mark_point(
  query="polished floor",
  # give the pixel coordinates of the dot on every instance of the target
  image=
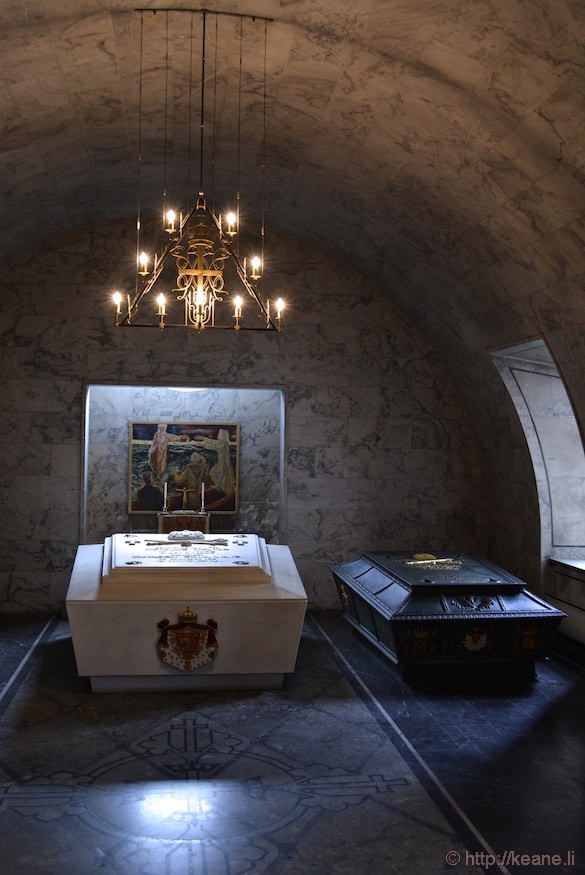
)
(346, 770)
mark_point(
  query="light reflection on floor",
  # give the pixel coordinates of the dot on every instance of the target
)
(302, 781)
(179, 803)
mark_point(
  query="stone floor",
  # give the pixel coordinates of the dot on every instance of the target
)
(347, 769)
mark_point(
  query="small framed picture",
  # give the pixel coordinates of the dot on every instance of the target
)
(190, 466)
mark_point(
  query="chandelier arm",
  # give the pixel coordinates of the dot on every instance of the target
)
(123, 324)
(240, 270)
(157, 269)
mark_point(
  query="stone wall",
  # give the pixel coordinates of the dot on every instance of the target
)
(378, 449)
(507, 280)
(111, 409)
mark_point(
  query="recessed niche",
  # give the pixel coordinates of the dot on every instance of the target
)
(109, 411)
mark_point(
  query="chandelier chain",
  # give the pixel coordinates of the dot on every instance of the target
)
(202, 111)
(190, 114)
(214, 117)
(139, 146)
(166, 122)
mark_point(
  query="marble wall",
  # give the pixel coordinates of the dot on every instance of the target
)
(111, 409)
(556, 448)
(378, 451)
(486, 293)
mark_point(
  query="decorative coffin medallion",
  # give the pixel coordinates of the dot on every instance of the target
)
(187, 645)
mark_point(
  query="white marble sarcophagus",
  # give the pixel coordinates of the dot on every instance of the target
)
(185, 611)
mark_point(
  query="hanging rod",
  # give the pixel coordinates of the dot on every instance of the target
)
(204, 12)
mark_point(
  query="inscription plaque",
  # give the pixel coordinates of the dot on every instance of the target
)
(219, 558)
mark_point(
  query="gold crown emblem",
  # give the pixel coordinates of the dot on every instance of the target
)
(187, 615)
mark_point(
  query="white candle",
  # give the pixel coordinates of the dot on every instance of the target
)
(202, 497)
(165, 495)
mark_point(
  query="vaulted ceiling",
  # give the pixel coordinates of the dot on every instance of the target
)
(437, 145)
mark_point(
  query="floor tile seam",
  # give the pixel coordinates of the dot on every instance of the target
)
(406, 693)
(412, 721)
(445, 723)
(20, 672)
(566, 660)
(442, 739)
(437, 743)
(413, 758)
(427, 712)
(411, 700)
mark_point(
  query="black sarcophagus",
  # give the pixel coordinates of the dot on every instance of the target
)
(446, 613)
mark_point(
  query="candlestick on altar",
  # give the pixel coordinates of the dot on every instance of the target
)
(165, 490)
(202, 498)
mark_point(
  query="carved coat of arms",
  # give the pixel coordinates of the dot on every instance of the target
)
(187, 645)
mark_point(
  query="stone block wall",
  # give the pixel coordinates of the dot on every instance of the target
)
(379, 452)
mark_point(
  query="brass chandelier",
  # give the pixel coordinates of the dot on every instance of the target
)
(198, 279)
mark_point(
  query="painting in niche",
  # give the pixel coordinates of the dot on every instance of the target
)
(192, 462)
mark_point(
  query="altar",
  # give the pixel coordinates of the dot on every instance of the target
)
(185, 611)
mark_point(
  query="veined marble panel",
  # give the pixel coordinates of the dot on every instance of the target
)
(377, 449)
(112, 409)
(306, 433)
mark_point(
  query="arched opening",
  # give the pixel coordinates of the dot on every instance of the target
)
(556, 448)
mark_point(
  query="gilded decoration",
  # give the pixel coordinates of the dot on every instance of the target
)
(187, 645)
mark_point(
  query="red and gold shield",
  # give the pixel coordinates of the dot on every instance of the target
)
(187, 645)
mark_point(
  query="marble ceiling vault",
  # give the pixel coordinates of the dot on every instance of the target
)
(436, 145)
